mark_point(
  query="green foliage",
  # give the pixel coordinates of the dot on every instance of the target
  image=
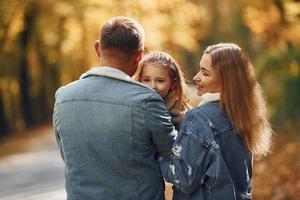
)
(279, 73)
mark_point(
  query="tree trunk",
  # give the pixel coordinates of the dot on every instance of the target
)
(29, 25)
(4, 128)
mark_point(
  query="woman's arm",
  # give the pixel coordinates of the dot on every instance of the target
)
(192, 155)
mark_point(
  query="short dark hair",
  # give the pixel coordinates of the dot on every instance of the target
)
(122, 34)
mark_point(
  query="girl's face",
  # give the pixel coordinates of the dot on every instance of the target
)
(158, 78)
(206, 78)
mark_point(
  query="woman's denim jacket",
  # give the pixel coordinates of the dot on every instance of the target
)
(209, 159)
(110, 130)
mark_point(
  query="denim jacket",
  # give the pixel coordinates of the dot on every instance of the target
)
(109, 130)
(209, 160)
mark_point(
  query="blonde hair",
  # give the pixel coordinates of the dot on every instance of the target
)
(241, 95)
(177, 97)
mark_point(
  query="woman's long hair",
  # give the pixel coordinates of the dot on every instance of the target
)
(241, 95)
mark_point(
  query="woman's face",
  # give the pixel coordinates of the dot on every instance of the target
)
(206, 79)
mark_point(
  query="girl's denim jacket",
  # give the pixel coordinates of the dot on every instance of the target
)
(209, 159)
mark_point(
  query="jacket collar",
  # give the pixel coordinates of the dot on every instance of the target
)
(106, 71)
(111, 73)
(209, 97)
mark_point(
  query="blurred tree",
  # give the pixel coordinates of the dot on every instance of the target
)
(9, 12)
(45, 44)
(30, 17)
(277, 55)
(4, 129)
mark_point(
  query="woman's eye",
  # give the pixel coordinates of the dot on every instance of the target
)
(145, 80)
(161, 81)
(204, 73)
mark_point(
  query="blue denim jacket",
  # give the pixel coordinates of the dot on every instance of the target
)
(109, 130)
(209, 159)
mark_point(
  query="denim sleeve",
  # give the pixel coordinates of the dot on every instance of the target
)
(57, 130)
(158, 121)
(191, 156)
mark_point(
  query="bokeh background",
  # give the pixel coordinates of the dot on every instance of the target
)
(49, 43)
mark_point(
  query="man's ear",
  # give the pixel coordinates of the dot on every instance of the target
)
(98, 48)
(139, 56)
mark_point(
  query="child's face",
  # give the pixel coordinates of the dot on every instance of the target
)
(206, 79)
(158, 78)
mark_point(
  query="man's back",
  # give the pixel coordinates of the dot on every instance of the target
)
(110, 131)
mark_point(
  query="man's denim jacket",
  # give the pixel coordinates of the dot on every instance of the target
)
(110, 130)
(209, 159)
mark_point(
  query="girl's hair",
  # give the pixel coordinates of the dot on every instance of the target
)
(241, 95)
(177, 97)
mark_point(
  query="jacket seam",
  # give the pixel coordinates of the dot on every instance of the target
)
(132, 153)
(203, 142)
(145, 108)
(108, 101)
(220, 131)
(217, 170)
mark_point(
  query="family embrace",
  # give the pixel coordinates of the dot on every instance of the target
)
(126, 127)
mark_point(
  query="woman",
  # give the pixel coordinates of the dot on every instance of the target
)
(212, 155)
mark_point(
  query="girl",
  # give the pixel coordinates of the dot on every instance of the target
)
(160, 71)
(212, 155)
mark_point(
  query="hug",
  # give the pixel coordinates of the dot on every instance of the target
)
(126, 126)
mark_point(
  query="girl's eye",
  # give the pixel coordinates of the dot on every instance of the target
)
(161, 81)
(145, 80)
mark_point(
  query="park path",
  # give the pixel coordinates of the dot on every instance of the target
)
(33, 174)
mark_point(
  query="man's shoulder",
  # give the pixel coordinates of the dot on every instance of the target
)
(66, 87)
(143, 92)
(138, 85)
(98, 87)
(130, 87)
(113, 75)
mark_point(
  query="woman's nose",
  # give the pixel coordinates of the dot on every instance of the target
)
(197, 77)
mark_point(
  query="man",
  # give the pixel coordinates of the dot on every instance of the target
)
(109, 128)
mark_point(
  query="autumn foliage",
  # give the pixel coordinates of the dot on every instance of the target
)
(49, 43)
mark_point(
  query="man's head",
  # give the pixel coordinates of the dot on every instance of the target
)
(121, 44)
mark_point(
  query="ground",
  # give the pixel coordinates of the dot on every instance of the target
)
(276, 177)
